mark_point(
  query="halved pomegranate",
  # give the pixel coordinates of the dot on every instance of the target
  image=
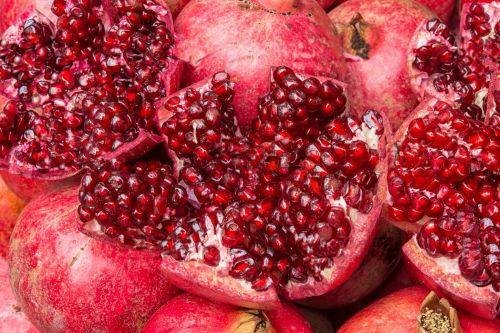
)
(444, 185)
(82, 86)
(290, 209)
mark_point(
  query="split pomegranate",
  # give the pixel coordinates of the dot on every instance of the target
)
(444, 185)
(191, 313)
(83, 86)
(13, 319)
(246, 38)
(10, 208)
(415, 310)
(291, 208)
(460, 75)
(375, 37)
(68, 282)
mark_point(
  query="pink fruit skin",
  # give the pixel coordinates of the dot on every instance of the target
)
(11, 9)
(443, 8)
(380, 79)
(245, 39)
(67, 282)
(187, 313)
(401, 310)
(10, 208)
(12, 319)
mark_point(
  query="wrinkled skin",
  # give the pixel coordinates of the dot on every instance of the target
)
(10, 208)
(247, 38)
(379, 76)
(67, 282)
(401, 310)
(189, 314)
(12, 318)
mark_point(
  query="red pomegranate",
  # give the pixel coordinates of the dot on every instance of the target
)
(246, 38)
(291, 208)
(444, 185)
(443, 182)
(415, 310)
(10, 208)
(375, 37)
(13, 319)
(67, 282)
(189, 313)
(443, 8)
(81, 84)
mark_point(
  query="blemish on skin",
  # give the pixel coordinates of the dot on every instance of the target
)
(75, 258)
(249, 5)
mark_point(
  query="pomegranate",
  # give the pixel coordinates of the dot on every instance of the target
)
(415, 310)
(81, 86)
(459, 74)
(246, 38)
(382, 258)
(189, 313)
(67, 282)
(10, 208)
(443, 8)
(375, 37)
(291, 208)
(443, 184)
(13, 319)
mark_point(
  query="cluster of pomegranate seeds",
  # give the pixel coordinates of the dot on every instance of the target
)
(447, 174)
(275, 206)
(137, 204)
(85, 87)
(201, 120)
(462, 74)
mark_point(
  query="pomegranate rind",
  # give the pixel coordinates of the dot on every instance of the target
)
(443, 276)
(215, 284)
(363, 230)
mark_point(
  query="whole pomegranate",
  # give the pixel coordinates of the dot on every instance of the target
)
(189, 313)
(375, 38)
(13, 319)
(81, 84)
(246, 38)
(289, 209)
(443, 182)
(443, 8)
(67, 282)
(10, 208)
(415, 310)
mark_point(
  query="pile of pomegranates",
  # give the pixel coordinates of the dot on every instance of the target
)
(250, 166)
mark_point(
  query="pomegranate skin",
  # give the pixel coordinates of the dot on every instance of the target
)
(10, 208)
(327, 4)
(67, 282)
(189, 314)
(246, 39)
(175, 5)
(401, 310)
(377, 63)
(11, 10)
(13, 319)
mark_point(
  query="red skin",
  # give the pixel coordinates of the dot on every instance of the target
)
(443, 8)
(175, 5)
(381, 81)
(246, 41)
(327, 4)
(401, 310)
(68, 282)
(11, 9)
(13, 320)
(188, 313)
(10, 208)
